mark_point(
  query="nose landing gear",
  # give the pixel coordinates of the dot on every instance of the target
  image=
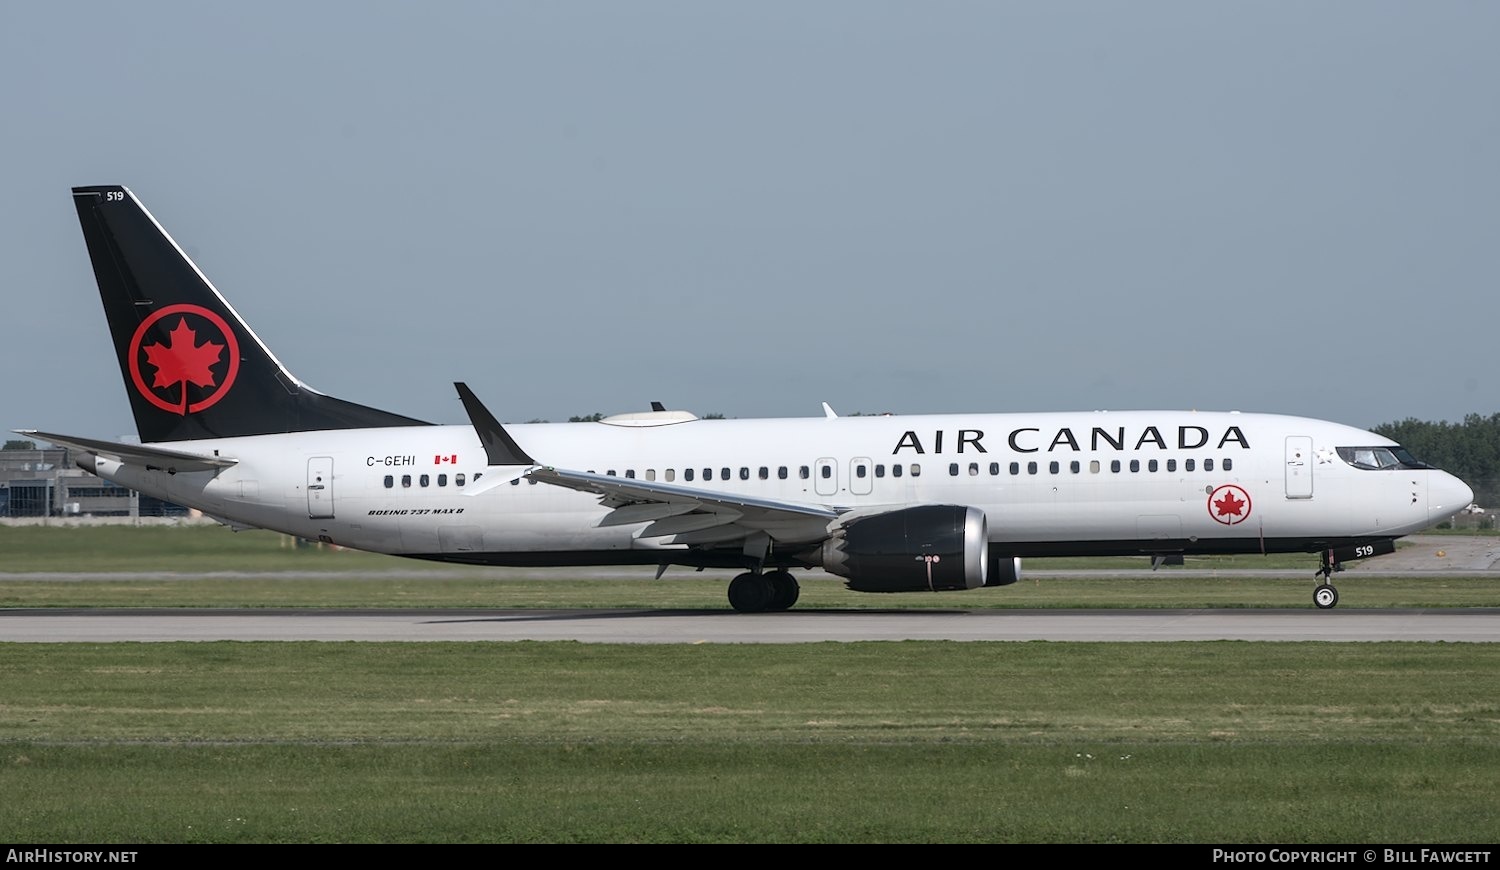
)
(1324, 595)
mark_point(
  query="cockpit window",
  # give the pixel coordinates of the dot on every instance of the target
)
(1379, 458)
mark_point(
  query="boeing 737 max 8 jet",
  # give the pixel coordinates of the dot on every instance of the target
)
(890, 504)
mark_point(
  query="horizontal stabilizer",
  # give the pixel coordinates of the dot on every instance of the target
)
(137, 454)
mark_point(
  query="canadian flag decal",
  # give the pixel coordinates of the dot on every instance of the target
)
(439, 460)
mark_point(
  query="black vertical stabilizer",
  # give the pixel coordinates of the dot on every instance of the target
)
(192, 368)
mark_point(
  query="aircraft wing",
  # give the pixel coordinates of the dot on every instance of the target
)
(137, 454)
(685, 514)
(691, 515)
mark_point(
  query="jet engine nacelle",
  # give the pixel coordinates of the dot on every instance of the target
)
(1004, 570)
(919, 549)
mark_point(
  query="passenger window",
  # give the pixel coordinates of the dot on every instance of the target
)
(1171, 465)
(826, 472)
(390, 481)
(1093, 466)
(803, 473)
(781, 472)
(724, 474)
(442, 480)
(1054, 467)
(953, 469)
(1114, 465)
(973, 469)
(744, 473)
(1208, 465)
(515, 482)
(708, 474)
(994, 468)
(916, 470)
(765, 473)
(687, 474)
(630, 473)
(458, 480)
(611, 473)
(650, 474)
(860, 471)
(1015, 468)
(1074, 466)
(1151, 466)
(880, 471)
(424, 480)
(1228, 464)
(1187, 465)
(1031, 468)
(896, 470)
(671, 474)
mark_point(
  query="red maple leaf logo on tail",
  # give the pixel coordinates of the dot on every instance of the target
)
(181, 361)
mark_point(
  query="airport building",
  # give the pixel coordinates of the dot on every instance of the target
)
(44, 482)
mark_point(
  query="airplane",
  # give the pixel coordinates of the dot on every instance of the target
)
(887, 503)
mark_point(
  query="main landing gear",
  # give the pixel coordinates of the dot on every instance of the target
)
(752, 592)
(1324, 595)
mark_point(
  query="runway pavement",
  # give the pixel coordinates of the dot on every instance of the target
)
(1420, 554)
(699, 626)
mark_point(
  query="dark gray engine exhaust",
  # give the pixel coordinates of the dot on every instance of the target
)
(928, 548)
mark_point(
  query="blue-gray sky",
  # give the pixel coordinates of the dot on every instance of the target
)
(751, 208)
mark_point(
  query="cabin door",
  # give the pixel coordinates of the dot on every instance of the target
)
(1299, 466)
(320, 487)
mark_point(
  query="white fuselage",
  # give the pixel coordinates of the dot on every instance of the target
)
(1048, 483)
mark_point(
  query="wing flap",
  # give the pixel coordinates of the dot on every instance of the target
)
(716, 535)
(686, 524)
(644, 512)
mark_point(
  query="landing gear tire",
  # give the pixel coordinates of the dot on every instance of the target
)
(784, 590)
(751, 593)
(1325, 596)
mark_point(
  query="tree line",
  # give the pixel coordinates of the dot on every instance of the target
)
(1469, 450)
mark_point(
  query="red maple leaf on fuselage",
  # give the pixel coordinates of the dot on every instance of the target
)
(182, 361)
(1229, 505)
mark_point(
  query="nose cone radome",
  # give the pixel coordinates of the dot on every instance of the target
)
(1447, 496)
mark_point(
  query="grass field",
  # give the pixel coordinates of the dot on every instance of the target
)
(866, 742)
(909, 742)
